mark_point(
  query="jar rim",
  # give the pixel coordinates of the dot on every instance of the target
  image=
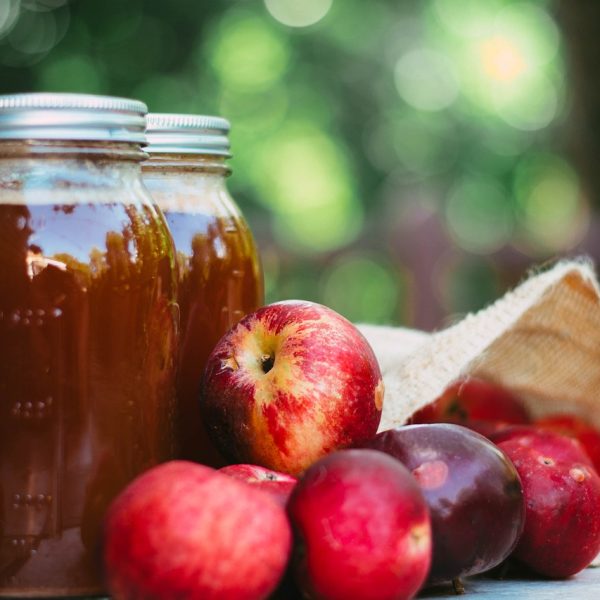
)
(179, 133)
(76, 117)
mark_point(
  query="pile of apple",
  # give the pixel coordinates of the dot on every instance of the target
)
(321, 505)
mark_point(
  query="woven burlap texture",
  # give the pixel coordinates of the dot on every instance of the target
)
(541, 340)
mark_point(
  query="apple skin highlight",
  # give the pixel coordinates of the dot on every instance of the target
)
(289, 384)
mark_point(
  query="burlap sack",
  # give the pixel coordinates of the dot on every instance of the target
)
(542, 340)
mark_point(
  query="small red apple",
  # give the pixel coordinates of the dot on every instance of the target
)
(184, 530)
(362, 528)
(486, 428)
(289, 384)
(562, 519)
(473, 399)
(575, 427)
(556, 446)
(279, 485)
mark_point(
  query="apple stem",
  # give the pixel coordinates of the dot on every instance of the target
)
(458, 586)
(266, 362)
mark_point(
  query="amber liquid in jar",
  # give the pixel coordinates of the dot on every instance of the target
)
(87, 347)
(220, 278)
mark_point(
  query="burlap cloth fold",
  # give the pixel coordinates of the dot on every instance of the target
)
(541, 340)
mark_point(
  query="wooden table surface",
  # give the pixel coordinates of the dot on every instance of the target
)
(584, 586)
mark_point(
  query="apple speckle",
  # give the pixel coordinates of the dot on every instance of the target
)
(578, 474)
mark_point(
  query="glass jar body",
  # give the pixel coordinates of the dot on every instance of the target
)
(88, 340)
(220, 276)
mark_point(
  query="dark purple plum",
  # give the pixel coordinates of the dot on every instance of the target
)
(473, 491)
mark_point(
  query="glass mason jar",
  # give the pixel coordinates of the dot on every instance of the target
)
(88, 333)
(220, 277)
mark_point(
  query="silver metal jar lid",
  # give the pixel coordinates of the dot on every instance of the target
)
(77, 117)
(187, 134)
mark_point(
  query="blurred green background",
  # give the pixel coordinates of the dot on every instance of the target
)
(402, 162)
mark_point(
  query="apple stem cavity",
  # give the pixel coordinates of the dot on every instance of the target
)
(266, 362)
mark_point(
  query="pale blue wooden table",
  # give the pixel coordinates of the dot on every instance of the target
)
(584, 586)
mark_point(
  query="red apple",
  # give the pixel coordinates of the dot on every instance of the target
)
(183, 530)
(289, 384)
(486, 428)
(279, 485)
(556, 446)
(473, 399)
(362, 527)
(562, 519)
(575, 427)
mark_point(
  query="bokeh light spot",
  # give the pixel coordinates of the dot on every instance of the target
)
(531, 31)
(306, 231)
(426, 79)
(362, 288)
(34, 32)
(43, 5)
(303, 176)
(552, 210)
(247, 53)
(468, 18)
(529, 107)
(9, 12)
(296, 13)
(501, 59)
(254, 113)
(511, 68)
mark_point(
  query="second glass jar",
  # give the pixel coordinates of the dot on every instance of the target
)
(220, 277)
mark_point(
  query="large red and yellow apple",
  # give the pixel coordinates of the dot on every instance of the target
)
(289, 384)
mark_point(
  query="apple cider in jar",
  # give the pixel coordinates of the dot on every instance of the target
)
(87, 333)
(220, 278)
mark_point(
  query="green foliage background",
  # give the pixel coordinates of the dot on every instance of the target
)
(402, 162)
